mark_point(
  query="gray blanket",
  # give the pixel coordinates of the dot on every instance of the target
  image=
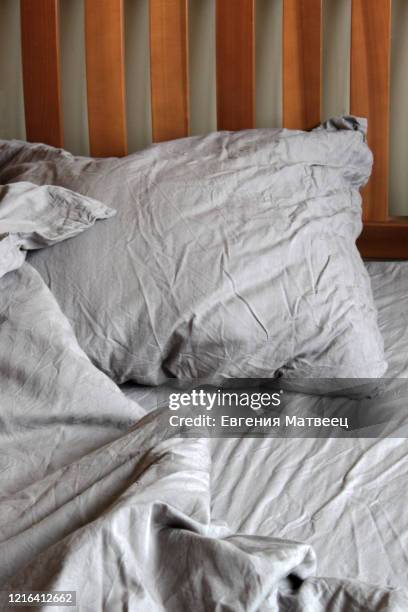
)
(100, 498)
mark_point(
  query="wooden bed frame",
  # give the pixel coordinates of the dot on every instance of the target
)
(383, 237)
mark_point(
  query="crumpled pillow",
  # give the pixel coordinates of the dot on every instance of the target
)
(232, 255)
(33, 217)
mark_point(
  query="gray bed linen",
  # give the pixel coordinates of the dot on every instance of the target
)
(345, 497)
(232, 256)
(11, 255)
(33, 217)
(389, 282)
(44, 215)
(97, 498)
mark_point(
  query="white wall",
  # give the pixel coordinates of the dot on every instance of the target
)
(202, 71)
(11, 86)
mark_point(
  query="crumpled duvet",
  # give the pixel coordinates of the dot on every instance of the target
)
(100, 498)
(33, 217)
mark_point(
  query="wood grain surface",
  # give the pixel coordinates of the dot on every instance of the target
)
(40, 40)
(105, 72)
(169, 69)
(302, 63)
(370, 93)
(235, 41)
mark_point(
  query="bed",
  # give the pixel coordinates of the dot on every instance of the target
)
(102, 503)
(352, 484)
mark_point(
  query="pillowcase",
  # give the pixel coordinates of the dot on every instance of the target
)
(232, 256)
(32, 217)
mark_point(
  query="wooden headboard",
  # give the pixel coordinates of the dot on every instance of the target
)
(384, 237)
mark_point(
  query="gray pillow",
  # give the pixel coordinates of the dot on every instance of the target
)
(32, 217)
(232, 256)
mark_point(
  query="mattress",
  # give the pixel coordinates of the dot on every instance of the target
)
(344, 496)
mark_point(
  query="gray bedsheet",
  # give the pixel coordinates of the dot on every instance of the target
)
(345, 497)
(97, 498)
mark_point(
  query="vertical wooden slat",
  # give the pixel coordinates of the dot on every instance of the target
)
(105, 69)
(169, 69)
(40, 41)
(370, 93)
(235, 64)
(302, 63)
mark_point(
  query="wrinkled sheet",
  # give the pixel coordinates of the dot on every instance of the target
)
(232, 255)
(346, 497)
(33, 217)
(99, 498)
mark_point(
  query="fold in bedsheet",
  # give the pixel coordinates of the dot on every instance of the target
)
(344, 497)
(97, 498)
